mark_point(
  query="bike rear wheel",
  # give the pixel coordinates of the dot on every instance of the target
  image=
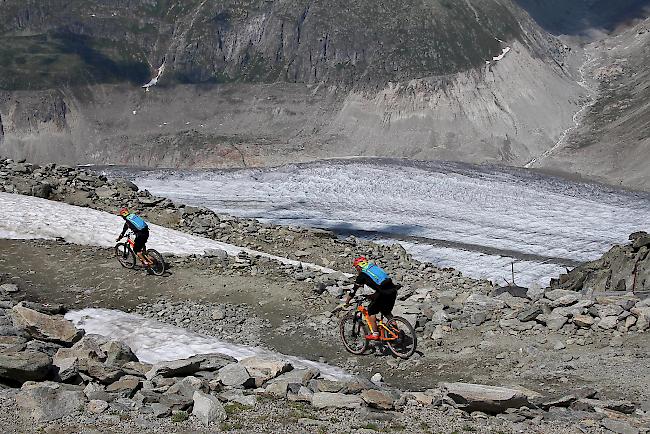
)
(404, 346)
(125, 255)
(158, 266)
(353, 331)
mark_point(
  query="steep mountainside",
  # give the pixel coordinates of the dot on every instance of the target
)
(612, 142)
(341, 42)
(256, 82)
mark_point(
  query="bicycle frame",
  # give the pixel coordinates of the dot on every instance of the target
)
(385, 333)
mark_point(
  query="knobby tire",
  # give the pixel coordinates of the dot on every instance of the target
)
(353, 331)
(158, 267)
(406, 344)
(125, 255)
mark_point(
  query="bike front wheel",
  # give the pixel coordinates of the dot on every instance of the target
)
(158, 266)
(125, 255)
(405, 344)
(353, 332)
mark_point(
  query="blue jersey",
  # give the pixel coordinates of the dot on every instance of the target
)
(137, 223)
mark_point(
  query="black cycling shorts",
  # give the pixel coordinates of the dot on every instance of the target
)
(384, 303)
(141, 238)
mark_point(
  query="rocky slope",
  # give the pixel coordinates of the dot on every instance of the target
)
(611, 142)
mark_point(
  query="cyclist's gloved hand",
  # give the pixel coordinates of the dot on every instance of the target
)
(118, 239)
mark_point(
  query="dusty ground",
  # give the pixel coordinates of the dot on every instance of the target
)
(90, 277)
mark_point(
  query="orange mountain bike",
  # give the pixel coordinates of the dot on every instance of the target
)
(396, 332)
(126, 256)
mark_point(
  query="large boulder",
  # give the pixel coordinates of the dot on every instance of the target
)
(45, 327)
(488, 399)
(25, 366)
(49, 401)
(207, 409)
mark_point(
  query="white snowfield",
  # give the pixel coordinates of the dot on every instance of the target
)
(27, 217)
(505, 209)
(153, 341)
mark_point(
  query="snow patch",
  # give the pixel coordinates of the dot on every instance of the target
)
(154, 81)
(153, 341)
(502, 55)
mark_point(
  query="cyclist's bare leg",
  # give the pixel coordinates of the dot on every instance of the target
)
(145, 260)
(372, 321)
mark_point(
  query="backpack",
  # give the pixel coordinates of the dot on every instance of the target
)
(137, 221)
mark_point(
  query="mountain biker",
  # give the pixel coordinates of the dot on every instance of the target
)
(141, 231)
(383, 300)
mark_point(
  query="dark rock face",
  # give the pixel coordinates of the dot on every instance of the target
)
(253, 41)
(25, 366)
(623, 268)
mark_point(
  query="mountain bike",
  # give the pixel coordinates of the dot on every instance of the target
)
(127, 257)
(396, 332)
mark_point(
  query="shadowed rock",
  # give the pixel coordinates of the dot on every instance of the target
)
(488, 399)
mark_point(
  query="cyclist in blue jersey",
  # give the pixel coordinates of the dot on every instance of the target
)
(141, 231)
(383, 300)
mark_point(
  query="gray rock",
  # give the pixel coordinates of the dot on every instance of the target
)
(515, 324)
(585, 321)
(179, 368)
(322, 400)
(480, 301)
(42, 190)
(530, 313)
(535, 293)
(303, 394)
(125, 387)
(566, 300)
(125, 184)
(118, 353)
(563, 401)
(235, 375)
(105, 374)
(556, 294)
(49, 401)
(555, 322)
(207, 409)
(378, 399)
(264, 369)
(587, 404)
(608, 323)
(49, 348)
(45, 327)
(95, 391)
(619, 427)
(8, 288)
(236, 395)
(187, 386)
(25, 366)
(66, 368)
(488, 399)
(97, 406)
